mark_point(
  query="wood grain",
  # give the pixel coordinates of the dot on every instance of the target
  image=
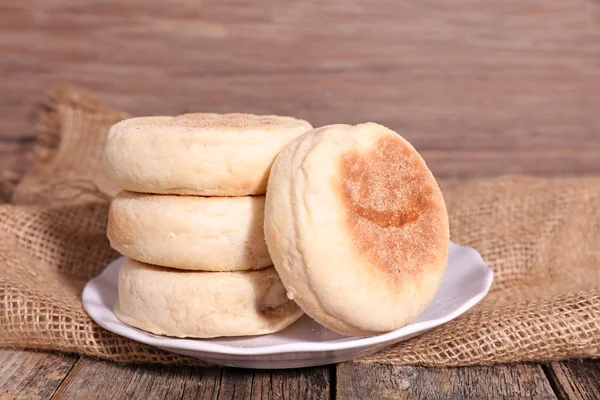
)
(482, 163)
(475, 76)
(105, 380)
(575, 379)
(30, 375)
(356, 381)
(306, 383)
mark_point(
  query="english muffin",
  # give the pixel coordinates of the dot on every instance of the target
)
(190, 232)
(197, 154)
(357, 228)
(202, 304)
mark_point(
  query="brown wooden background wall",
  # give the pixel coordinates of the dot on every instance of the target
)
(479, 87)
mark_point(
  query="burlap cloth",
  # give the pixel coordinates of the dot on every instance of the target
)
(540, 236)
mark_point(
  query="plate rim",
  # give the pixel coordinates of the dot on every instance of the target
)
(193, 344)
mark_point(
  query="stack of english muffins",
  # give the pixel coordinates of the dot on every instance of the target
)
(353, 229)
(190, 222)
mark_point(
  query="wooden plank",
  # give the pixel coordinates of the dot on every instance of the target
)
(306, 383)
(575, 379)
(471, 164)
(475, 75)
(105, 380)
(30, 375)
(361, 381)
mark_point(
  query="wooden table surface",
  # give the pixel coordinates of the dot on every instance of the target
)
(480, 87)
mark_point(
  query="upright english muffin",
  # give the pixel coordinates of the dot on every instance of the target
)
(357, 228)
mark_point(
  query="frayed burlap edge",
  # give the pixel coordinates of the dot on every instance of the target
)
(66, 155)
(49, 124)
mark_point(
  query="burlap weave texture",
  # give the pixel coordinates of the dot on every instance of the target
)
(540, 236)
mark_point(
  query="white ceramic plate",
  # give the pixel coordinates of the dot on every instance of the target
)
(305, 343)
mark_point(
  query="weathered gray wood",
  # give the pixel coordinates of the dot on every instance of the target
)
(575, 379)
(360, 381)
(105, 380)
(202, 383)
(90, 379)
(30, 375)
(305, 383)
